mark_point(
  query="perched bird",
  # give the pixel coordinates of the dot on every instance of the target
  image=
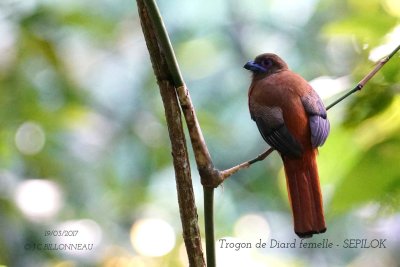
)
(292, 119)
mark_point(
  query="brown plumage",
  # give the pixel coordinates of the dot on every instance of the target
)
(292, 119)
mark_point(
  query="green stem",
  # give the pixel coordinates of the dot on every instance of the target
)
(165, 43)
(355, 89)
(393, 52)
(209, 225)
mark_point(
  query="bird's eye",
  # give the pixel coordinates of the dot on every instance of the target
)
(266, 62)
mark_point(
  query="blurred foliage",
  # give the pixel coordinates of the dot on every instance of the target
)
(81, 111)
(374, 175)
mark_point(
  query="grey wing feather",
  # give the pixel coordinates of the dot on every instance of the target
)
(271, 125)
(319, 124)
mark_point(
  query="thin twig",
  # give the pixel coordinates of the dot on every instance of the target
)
(366, 78)
(226, 173)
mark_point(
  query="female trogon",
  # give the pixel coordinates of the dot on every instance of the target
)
(292, 119)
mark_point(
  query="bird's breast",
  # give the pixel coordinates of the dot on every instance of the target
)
(283, 90)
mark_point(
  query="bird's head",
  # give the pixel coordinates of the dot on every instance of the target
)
(266, 64)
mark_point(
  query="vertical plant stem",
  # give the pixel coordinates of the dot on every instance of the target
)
(209, 225)
(186, 201)
(210, 177)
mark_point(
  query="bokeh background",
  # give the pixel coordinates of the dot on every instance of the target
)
(84, 145)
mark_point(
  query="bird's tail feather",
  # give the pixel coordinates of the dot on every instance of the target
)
(305, 194)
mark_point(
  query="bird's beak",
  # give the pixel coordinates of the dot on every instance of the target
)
(254, 67)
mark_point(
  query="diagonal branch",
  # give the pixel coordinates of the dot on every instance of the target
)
(366, 78)
(210, 177)
(229, 172)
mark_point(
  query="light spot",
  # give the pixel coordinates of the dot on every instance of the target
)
(30, 138)
(38, 199)
(152, 237)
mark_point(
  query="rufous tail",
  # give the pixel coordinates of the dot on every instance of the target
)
(305, 194)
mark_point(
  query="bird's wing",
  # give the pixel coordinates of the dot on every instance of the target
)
(272, 127)
(319, 124)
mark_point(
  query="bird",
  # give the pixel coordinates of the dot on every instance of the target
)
(292, 119)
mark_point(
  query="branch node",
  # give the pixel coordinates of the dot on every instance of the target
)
(210, 177)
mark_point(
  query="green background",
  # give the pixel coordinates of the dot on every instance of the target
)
(83, 133)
